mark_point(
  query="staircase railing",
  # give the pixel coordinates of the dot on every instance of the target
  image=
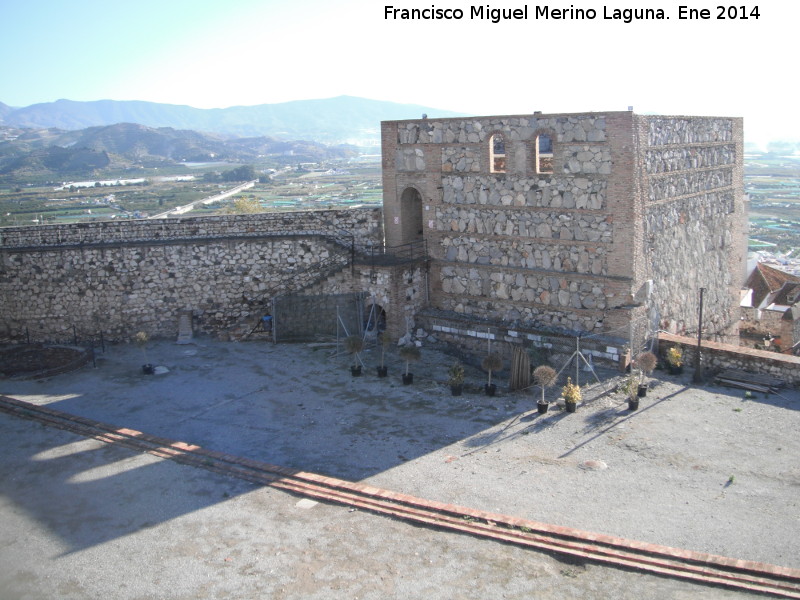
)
(344, 251)
(388, 255)
(380, 254)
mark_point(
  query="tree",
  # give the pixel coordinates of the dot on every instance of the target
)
(545, 376)
(243, 173)
(243, 205)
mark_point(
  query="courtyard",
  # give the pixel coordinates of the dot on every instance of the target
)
(701, 468)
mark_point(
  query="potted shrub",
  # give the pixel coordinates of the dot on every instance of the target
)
(140, 339)
(645, 362)
(354, 345)
(571, 394)
(383, 342)
(456, 378)
(674, 360)
(491, 362)
(544, 377)
(409, 353)
(631, 390)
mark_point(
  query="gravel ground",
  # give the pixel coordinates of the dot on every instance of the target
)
(700, 468)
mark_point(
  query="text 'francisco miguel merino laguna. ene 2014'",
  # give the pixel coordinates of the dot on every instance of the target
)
(573, 13)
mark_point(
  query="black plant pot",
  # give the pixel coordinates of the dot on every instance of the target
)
(542, 407)
(642, 390)
(408, 378)
(456, 389)
(570, 406)
(633, 404)
(382, 371)
(673, 370)
(355, 371)
(490, 389)
(148, 369)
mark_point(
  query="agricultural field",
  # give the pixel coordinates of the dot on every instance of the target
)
(332, 188)
(772, 184)
(151, 192)
(128, 199)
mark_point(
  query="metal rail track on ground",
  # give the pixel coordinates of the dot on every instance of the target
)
(660, 560)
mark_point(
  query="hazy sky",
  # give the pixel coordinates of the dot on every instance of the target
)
(208, 53)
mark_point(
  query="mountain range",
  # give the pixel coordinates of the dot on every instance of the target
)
(344, 119)
(76, 138)
(58, 152)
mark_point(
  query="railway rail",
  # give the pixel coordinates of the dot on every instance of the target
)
(581, 545)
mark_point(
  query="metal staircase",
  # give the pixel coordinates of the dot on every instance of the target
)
(344, 252)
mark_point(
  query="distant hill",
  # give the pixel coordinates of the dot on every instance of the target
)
(55, 160)
(5, 110)
(344, 119)
(58, 152)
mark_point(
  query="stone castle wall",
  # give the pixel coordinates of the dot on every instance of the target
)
(127, 276)
(694, 222)
(364, 224)
(718, 357)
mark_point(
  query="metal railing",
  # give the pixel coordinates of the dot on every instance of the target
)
(380, 254)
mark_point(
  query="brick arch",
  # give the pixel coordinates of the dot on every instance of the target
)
(375, 316)
(543, 162)
(411, 216)
(498, 161)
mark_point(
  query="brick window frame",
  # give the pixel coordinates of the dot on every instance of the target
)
(498, 156)
(543, 152)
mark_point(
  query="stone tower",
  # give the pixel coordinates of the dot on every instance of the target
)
(596, 224)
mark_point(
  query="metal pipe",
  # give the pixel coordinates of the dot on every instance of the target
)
(698, 367)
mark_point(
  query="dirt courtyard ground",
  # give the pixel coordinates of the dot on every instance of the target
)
(701, 468)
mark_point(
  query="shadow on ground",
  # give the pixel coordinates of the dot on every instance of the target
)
(294, 406)
(59, 478)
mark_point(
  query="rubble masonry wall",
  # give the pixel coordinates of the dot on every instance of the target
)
(123, 277)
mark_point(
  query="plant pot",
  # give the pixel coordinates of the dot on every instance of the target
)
(642, 390)
(382, 371)
(408, 378)
(490, 389)
(570, 406)
(355, 371)
(673, 370)
(456, 389)
(633, 404)
(542, 407)
(148, 369)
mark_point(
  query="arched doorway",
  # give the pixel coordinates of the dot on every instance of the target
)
(374, 318)
(411, 222)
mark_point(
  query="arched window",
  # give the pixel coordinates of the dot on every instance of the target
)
(497, 153)
(544, 153)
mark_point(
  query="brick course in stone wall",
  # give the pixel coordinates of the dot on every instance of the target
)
(544, 192)
(513, 251)
(688, 130)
